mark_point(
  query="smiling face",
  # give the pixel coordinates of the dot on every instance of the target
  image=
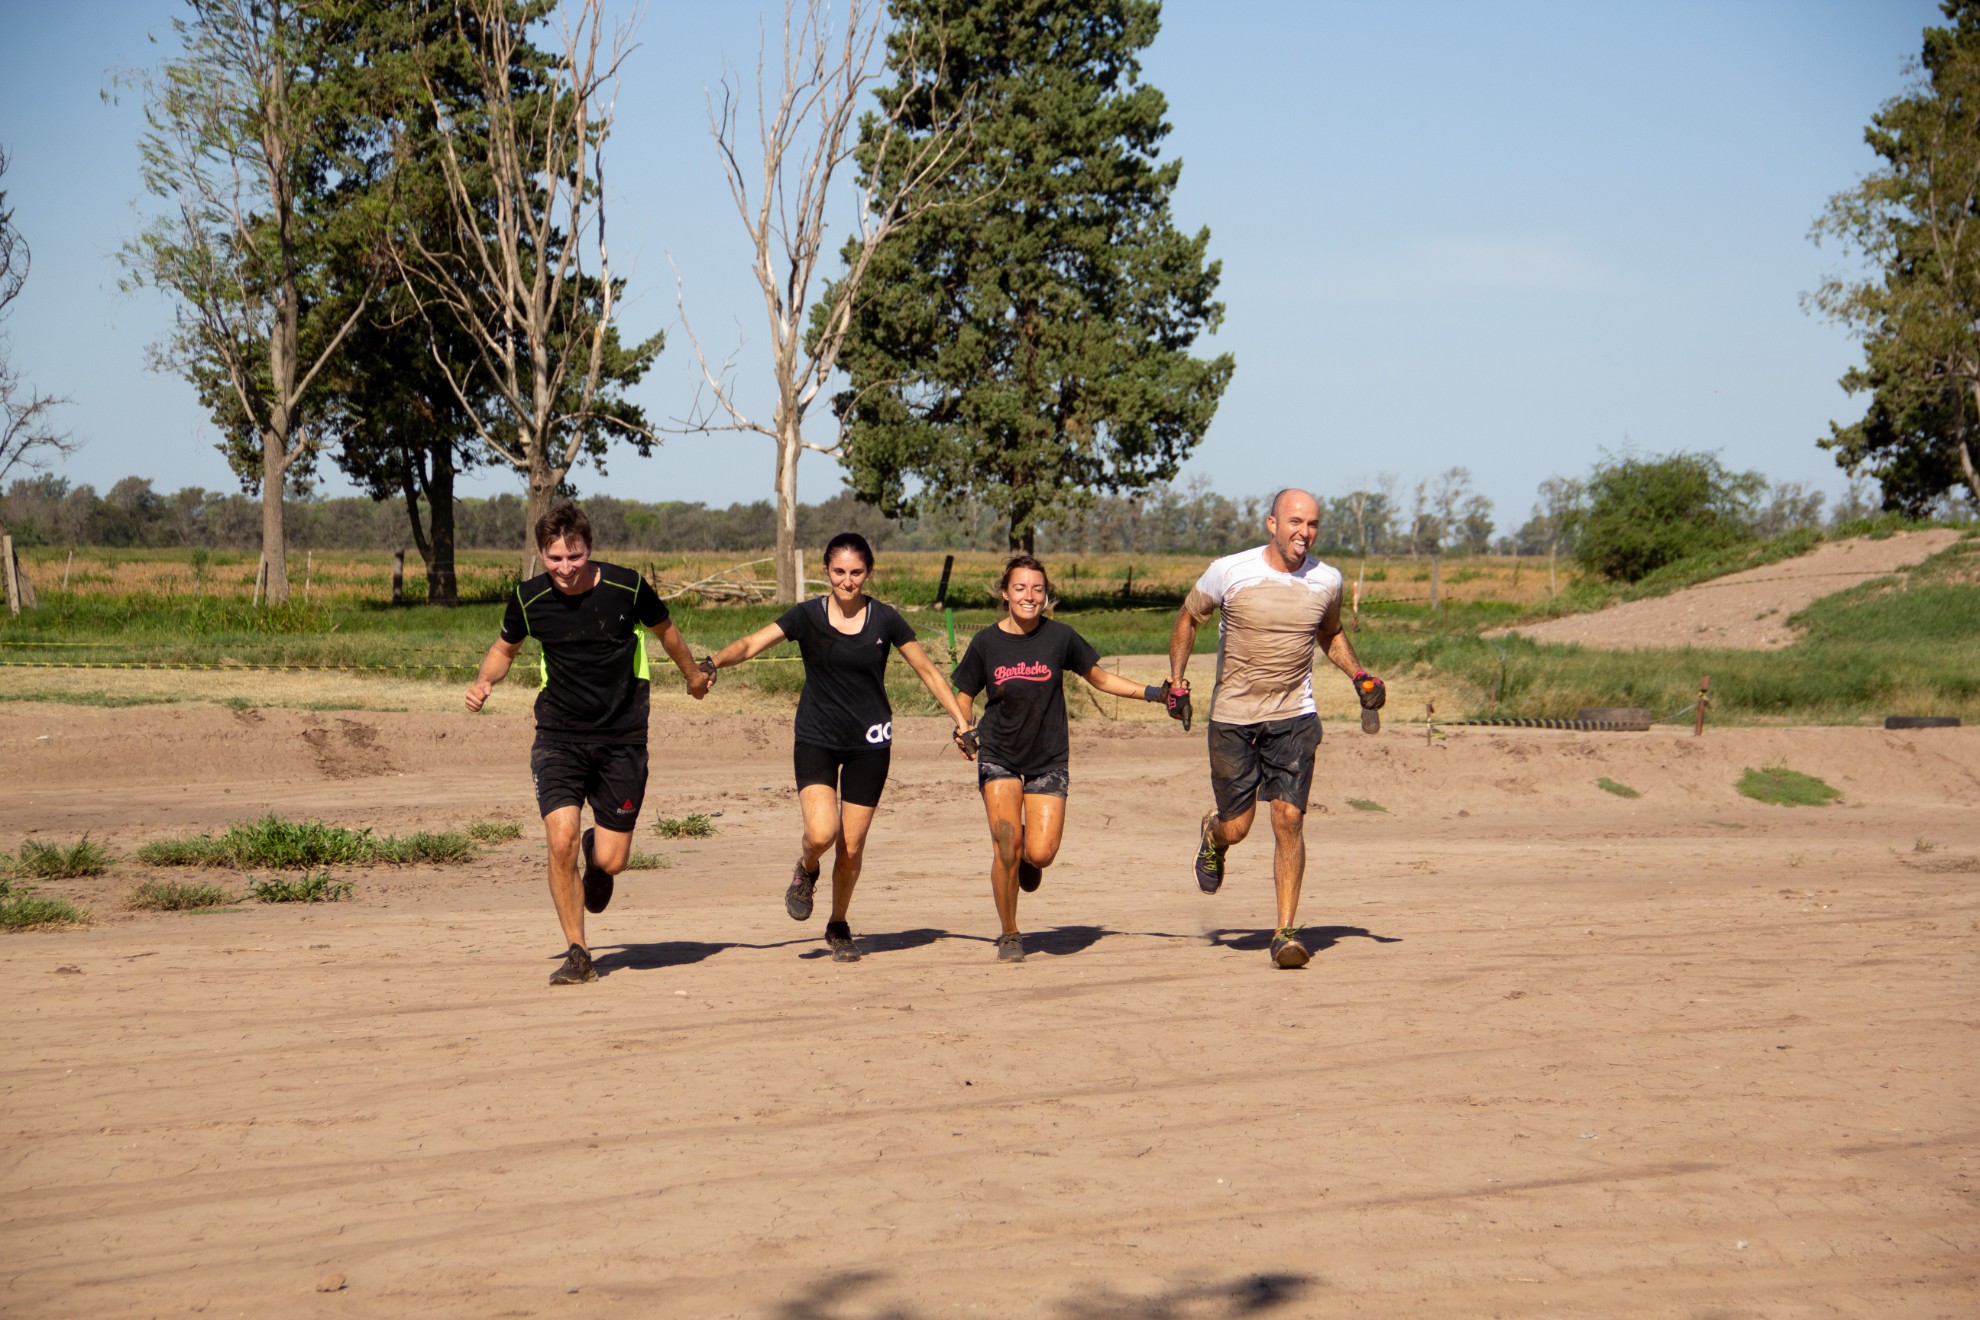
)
(1294, 520)
(1024, 595)
(847, 573)
(567, 561)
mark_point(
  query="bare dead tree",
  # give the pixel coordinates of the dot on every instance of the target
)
(234, 144)
(525, 195)
(28, 439)
(782, 189)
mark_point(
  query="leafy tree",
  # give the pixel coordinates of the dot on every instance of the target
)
(1644, 513)
(520, 264)
(1916, 222)
(1026, 343)
(243, 148)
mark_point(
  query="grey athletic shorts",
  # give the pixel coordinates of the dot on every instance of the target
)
(1273, 761)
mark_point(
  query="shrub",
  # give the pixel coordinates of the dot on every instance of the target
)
(1783, 787)
(1364, 804)
(169, 896)
(32, 910)
(646, 861)
(687, 827)
(1608, 785)
(297, 845)
(494, 831)
(1644, 513)
(318, 888)
(53, 861)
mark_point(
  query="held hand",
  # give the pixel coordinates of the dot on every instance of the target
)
(967, 742)
(698, 684)
(477, 694)
(1369, 688)
(1175, 699)
(707, 666)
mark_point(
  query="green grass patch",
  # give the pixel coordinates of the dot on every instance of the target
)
(26, 911)
(279, 844)
(1364, 804)
(697, 826)
(1783, 787)
(171, 896)
(646, 861)
(494, 831)
(56, 861)
(317, 888)
(1608, 785)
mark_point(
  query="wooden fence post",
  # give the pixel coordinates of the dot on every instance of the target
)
(1698, 725)
(11, 574)
(399, 576)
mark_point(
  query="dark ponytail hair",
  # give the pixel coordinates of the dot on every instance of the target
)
(852, 541)
(1013, 564)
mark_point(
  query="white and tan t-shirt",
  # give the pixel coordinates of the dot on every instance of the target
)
(1265, 639)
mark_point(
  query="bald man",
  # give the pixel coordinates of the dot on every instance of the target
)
(1278, 603)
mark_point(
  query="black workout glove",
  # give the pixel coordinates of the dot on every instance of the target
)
(967, 742)
(1369, 688)
(1176, 701)
(707, 666)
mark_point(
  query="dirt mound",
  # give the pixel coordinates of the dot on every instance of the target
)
(1742, 611)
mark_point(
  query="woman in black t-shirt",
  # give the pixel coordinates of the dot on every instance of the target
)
(845, 726)
(1021, 743)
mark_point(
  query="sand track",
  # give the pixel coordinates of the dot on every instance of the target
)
(1558, 1051)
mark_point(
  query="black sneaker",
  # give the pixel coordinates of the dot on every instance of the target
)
(839, 936)
(1029, 877)
(1209, 858)
(1288, 950)
(597, 883)
(1010, 947)
(797, 898)
(577, 968)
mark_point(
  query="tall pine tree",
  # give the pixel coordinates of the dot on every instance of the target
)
(1027, 342)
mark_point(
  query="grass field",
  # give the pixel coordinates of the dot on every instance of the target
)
(1901, 644)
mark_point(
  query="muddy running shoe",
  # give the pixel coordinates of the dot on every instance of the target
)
(839, 936)
(797, 898)
(1209, 858)
(1288, 950)
(577, 968)
(1029, 877)
(1010, 947)
(597, 883)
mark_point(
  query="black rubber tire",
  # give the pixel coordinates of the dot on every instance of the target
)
(1921, 721)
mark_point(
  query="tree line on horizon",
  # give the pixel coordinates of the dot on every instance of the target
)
(1700, 499)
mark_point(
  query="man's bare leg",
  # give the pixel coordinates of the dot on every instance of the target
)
(560, 829)
(1288, 859)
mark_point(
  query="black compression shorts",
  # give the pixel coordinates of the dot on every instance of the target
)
(612, 779)
(858, 776)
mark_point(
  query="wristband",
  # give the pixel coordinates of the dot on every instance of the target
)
(1153, 692)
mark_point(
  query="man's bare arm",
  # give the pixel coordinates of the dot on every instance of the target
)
(494, 668)
(1341, 651)
(677, 651)
(1182, 643)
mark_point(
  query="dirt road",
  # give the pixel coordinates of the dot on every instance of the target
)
(1559, 1052)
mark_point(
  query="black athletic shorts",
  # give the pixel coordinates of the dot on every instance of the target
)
(611, 779)
(1273, 761)
(1052, 781)
(857, 776)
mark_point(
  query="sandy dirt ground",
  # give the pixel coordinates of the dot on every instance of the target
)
(1559, 1052)
(1749, 610)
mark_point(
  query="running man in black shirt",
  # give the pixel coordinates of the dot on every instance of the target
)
(1021, 745)
(845, 726)
(590, 715)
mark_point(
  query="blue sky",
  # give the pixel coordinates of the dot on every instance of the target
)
(1501, 236)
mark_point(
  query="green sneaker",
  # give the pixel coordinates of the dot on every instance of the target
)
(1288, 950)
(1209, 858)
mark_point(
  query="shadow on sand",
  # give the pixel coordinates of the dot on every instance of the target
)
(835, 1297)
(1317, 938)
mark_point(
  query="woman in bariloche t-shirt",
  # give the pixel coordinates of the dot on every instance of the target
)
(845, 728)
(1021, 740)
